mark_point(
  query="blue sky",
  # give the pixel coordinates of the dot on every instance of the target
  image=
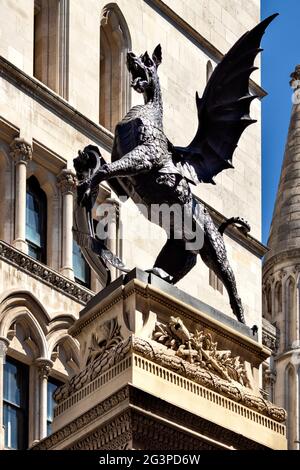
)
(281, 45)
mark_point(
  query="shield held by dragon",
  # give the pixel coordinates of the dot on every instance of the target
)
(148, 168)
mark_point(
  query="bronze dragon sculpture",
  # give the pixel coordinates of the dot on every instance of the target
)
(148, 168)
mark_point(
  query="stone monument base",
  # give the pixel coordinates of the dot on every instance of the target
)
(161, 370)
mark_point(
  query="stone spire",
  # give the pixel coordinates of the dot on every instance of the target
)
(285, 228)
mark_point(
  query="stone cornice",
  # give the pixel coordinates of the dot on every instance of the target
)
(196, 37)
(293, 254)
(44, 274)
(55, 103)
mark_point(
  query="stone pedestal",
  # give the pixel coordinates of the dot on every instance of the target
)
(163, 371)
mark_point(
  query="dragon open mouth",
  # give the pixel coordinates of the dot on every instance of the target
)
(139, 74)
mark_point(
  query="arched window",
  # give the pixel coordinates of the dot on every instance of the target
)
(115, 42)
(278, 298)
(50, 64)
(15, 404)
(36, 220)
(209, 70)
(82, 271)
(52, 385)
(269, 301)
(290, 313)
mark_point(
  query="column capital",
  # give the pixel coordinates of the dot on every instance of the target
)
(4, 343)
(66, 181)
(21, 151)
(270, 376)
(44, 367)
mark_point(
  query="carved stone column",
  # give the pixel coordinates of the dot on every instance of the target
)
(21, 152)
(4, 343)
(67, 183)
(44, 367)
(270, 379)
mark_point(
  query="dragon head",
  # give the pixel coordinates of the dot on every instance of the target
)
(143, 70)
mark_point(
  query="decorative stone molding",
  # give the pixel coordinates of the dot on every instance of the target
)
(44, 367)
(165, 357)
(106, 337)
(89, 417)
(159, 425)
(43, 273)
(270, 335)
(104, 362)
(66, 181)
(198, 348)
(112, 436)
(270, 377)
(21, 151)
(181, 416)
(271, 261)
(234, 390)
(4, 344)
(295, 78)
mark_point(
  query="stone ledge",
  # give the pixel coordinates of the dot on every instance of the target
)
(43, 273)
(48, 98)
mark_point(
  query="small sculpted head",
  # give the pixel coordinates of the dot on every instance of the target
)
(143, 70)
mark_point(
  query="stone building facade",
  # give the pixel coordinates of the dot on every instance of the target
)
(281, 279)
(63, 85)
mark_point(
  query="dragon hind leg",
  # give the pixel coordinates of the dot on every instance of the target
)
(214, 255)
(175, 260)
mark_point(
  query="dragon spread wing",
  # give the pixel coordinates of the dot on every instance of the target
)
(223, 111)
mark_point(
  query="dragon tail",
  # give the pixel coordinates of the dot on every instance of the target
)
(239, 221)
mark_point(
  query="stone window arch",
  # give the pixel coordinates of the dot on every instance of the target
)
(51, 41)
(115, 42)
(40, 346)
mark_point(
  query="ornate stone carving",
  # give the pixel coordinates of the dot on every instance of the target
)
(84, 419)
(166, 357)
(45, 274)
(4, 343)
(66, 181)
(44, 367)
(295, 78)
(270, 377)
(21, 151)
(111, 436)
(199, 348)
(106, 337)
(107, 359)
(270, 336)
(234, 390)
